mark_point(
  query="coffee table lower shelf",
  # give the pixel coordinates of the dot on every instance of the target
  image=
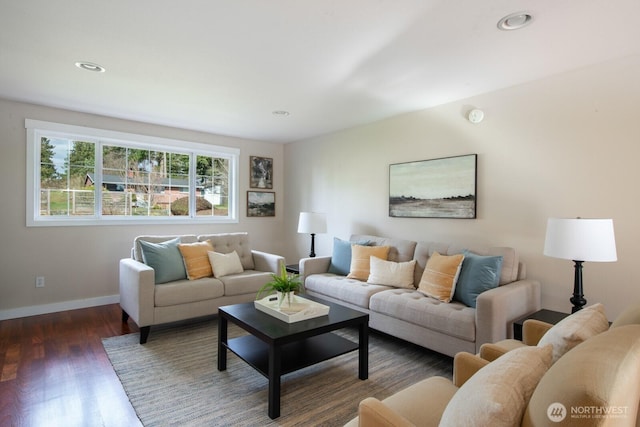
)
(275, 348)
(295, 355)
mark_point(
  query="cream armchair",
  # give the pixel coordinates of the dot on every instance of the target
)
(421, 404)
(574, 329)
(593, 384)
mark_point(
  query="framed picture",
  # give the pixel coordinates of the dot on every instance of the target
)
(438, 188)
(261, 172)
(261, 203)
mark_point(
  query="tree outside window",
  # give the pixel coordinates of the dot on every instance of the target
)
(107, 179)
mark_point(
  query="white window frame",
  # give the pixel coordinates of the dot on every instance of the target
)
(37, 129)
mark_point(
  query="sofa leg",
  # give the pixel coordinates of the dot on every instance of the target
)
(125, 316)
(144, 334)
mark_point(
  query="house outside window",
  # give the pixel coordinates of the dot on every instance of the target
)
(83, 176)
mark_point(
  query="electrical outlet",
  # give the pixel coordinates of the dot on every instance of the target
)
(40, 282)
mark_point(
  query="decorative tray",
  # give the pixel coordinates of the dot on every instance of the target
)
(299, 309)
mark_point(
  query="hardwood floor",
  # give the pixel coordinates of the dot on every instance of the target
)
(55, 372)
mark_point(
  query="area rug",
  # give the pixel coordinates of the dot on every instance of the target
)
(173, 379)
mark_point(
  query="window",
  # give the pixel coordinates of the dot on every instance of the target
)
(81, 176)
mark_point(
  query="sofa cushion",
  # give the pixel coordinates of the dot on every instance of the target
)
(424, 250)
(478, 274)
(196, 260)
(498, 394)
(225, 243)
(454, 319)
(389, 273)
(361, 260)
(574, 329)
(187, 291)
(341, 256)
(225, 264)
(598, 378)
(339, 287)
(440, 276)
(136, 251)
(510, 263)
(399, 250)
(245, 282)
(165, 259)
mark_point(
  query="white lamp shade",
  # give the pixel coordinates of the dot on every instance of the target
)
(312, 223)
(580, 239)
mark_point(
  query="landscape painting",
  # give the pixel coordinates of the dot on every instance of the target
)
(261, 203)
(261, 172)
(437, 188)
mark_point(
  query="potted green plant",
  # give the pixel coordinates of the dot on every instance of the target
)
(284, 284)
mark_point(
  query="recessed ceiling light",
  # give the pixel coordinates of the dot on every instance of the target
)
(280, 113)
(90, 66)
(515, 21)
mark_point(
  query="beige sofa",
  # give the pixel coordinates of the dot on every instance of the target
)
(594, 383)
(148, 303)
(408, 314)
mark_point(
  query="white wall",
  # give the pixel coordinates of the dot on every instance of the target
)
(80, 264)
(565, 146)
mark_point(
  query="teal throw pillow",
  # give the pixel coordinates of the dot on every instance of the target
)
(341, 256)
(478, 274)
(165, 258)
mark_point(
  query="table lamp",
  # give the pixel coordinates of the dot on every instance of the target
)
(312, 223)
(579, 240)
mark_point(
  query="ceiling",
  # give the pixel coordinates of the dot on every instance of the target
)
(223, 66)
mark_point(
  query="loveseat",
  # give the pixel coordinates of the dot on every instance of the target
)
(593, 382)
(169, 294)
(407, 313)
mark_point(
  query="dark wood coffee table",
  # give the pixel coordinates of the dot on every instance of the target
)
(275, 348)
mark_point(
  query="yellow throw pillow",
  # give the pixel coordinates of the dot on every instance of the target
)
(360, 260)
(196, 259)
(440, 276)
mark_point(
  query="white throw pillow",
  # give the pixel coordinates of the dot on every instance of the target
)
(225, 264)
(389, 273)
(572, 330)
(498, 394)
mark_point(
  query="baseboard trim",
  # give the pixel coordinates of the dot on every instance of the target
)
(36, 310)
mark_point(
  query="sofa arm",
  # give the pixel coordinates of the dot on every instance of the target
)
(533, 330)
(137, 290)
(374, 413)
(264, 261)
(318, 265)
(496, 309)
(491, 351)
(465, 365)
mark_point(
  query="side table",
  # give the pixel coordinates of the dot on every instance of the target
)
(293, 268)
(548, 316)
